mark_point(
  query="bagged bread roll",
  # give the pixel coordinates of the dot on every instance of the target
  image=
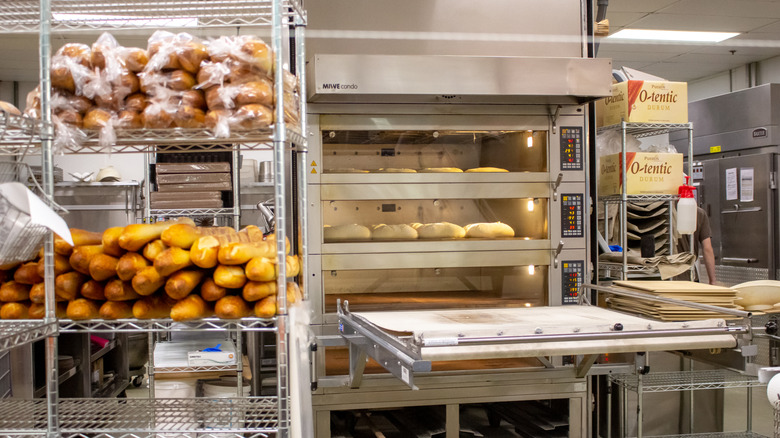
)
(179, 80)
(68, 285)
(441, 230)
(81, 53)
(260, 269)
(209, 290)
(20, 310)
(27, 273)
(135, 236)
(259, 92)
(136, 102)
(230, 277)
(172, 260)
(102, 267)
(189, 117)
(97, 118)
(69, 117)
(118, 290)
(38, 293)
(346, 232)
(153, 307)
(154, 249)
(191, 307)
(129, 265)
(129, 120)
(62, 78)
(80, 238)
(83, 255)
(158, 115)
(489, 230)
(221, 97)
(9, 108)
(93, 290)
(134, 58)
(12, 291)
(161, 50)
(194, 98)
(255, 290)
(181, 283)
(266, 308)
(82, 309)
(252, 116)
(256, 53)
(191, 54)
(393, 232)
(116, 310)
(232, 307)
(219, 121)
(147, 281)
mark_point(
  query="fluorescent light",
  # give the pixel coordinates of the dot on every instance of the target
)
(117, 20)
(673, 35)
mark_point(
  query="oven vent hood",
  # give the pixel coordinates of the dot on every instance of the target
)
(456, 79)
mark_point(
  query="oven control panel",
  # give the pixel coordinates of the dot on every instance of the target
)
(571, 215)
(571, 148)
(571, 280)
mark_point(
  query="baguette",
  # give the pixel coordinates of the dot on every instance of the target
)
(255, 290)
(293, 266)
(118, 290)
(135, 236)
(93, 290)
(82, 255)
(38, 310)
(238, 253)
(154, 249)
(181, 283)
(12, 291)
(15, 311)
(83, 308)
(147, 281)
(80, 238)
(191, 307)
(116, 310)
(266, 308)
(294, 293)
(38, 293)
(67, 285)
(231, 277)
(180, 235)
(153, 307)
(111, 241)
(204, 251)
(209, 290)
(232, 307)
(171, 260)
(261, 269)
(61, 265)
(27, 274)
(102, 267)
(129, 265)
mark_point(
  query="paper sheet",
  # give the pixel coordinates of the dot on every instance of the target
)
(40, 213)
(731, 184)
(746, 184)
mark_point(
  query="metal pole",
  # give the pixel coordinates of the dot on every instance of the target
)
(236, 155)
(303, 154)
(623, 201)
(639, 413)
(690, 174)
(609, 408)
(239, 364)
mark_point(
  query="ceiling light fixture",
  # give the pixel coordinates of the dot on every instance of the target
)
(673, 35)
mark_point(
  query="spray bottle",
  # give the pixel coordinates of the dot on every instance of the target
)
(686, 209)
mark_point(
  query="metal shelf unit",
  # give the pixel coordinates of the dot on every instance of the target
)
(21, 332)
(716, 435)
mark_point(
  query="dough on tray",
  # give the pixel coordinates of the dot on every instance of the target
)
(393, 232)
(486, 169)
(346, 232)
(346, 170)
(441, 170)
(395, 170)
(489, 230)
(440, 230)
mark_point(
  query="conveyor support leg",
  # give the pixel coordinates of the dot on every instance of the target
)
(452, 422)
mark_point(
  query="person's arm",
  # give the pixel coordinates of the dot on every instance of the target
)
(709, 258)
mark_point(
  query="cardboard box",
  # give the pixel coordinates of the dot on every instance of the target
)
(642, 101)
(648, 174)
(201, 358)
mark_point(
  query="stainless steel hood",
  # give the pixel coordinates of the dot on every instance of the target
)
(456, 79)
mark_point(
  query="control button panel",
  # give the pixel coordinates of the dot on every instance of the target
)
(571, 279)
(571, 215)
(571, 148)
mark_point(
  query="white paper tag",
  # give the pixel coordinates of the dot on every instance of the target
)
(746, 184)
(405, 374)
(731, 184)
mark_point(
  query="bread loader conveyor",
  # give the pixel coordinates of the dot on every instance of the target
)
(405, 343)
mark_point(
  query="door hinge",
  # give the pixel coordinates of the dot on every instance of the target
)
(772, 181)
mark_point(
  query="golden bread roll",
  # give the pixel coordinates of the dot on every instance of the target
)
(239, 253)
(393, 232)
(255, 290)
(230, 277)
(346, 233)
(218, 117)
(129, 265)
(486, 169)
(156, 116)
(204, 252)
(147, 281)
(181, 283)
(172, 260)
(241, 73)
(62, 78)
(191, 307)
(83, 255)
(80, 238)
(116, 310)
(38, 310)
(93, 290)
(191, 54)
(194, 98)
(82, 308)
(180, 80)
(266, 308)
(293, 266)
(96, 118)
(102, 267)
(261, 269)
(489, 230)
(153, 307)
(223, 97)
(395, 170)
(258, 54)
(209, 290)
(136, 102)
(15, 311)
(110, 241)
(79, 104)
(259, 92)
(81, 53)
(12, 291)
(129, 120)
(189, 117)
(38, 293)
(68, 285)
(9, 108)
(135, 236)
(135, 58)
(154, 249)
(69, 117)
(441, 170)
(232, 307)
(441, 230)
(128, 84)
(252, 116)
(27, 274)
(118, 290)
(34, 311)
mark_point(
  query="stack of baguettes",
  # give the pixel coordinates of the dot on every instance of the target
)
(149, 271)
(723, 297)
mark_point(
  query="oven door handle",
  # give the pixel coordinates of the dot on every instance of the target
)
(740, 260)
(740, 210)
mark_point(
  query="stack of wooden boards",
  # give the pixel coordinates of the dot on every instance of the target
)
(149, 271)
(190, 185)
(679, 290)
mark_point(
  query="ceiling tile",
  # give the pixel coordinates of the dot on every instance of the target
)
(730, 8)
(618, 20)
(634, 56)
(702, 22)
(638, 5)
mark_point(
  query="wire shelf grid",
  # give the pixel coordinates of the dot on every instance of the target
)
(18, 133)
(640, 130)
(166, 325)
(614, 199)
(714, 435)
(687, 380)
(191, 212)
(14, 333)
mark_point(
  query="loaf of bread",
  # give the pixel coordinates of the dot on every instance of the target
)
(205, 250)
(395, 170)
(256, 290)
(118, 290)
(12, 291)
(83, 255)
(171, 260)
(293, 266)
(209, 290)
(147, 281)
(181, 283)
(441, 170)
(154, 249)
(80, 238)
(440, 230)
(230, 277)
(61, 265)
(153, 307)
(116, 310)
(16, 310)
(82, 308)
(135, 236)
(129, 265)
(260, 269)
(489, 230)
(239, 253)
(179, 80)
(102, 267)
(393, 232)
(346, 233)
(93, 290)
(486, 169)
(158, 116)
(232, 307)
(266, 308)
(38, 293)
(180, 235)
(27, 273)
(38, 310)
(191, 307)
(68, 285)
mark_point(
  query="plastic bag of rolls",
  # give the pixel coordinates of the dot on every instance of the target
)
(172, 269)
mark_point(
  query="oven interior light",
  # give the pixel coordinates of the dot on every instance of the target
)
(531, 204)
(530, 141)
(527, 304)
(531, 269)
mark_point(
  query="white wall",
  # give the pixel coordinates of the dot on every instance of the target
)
(763, 72)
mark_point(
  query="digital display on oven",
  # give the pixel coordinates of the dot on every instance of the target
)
(571, 215)
(572, 273)
(571, 148)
